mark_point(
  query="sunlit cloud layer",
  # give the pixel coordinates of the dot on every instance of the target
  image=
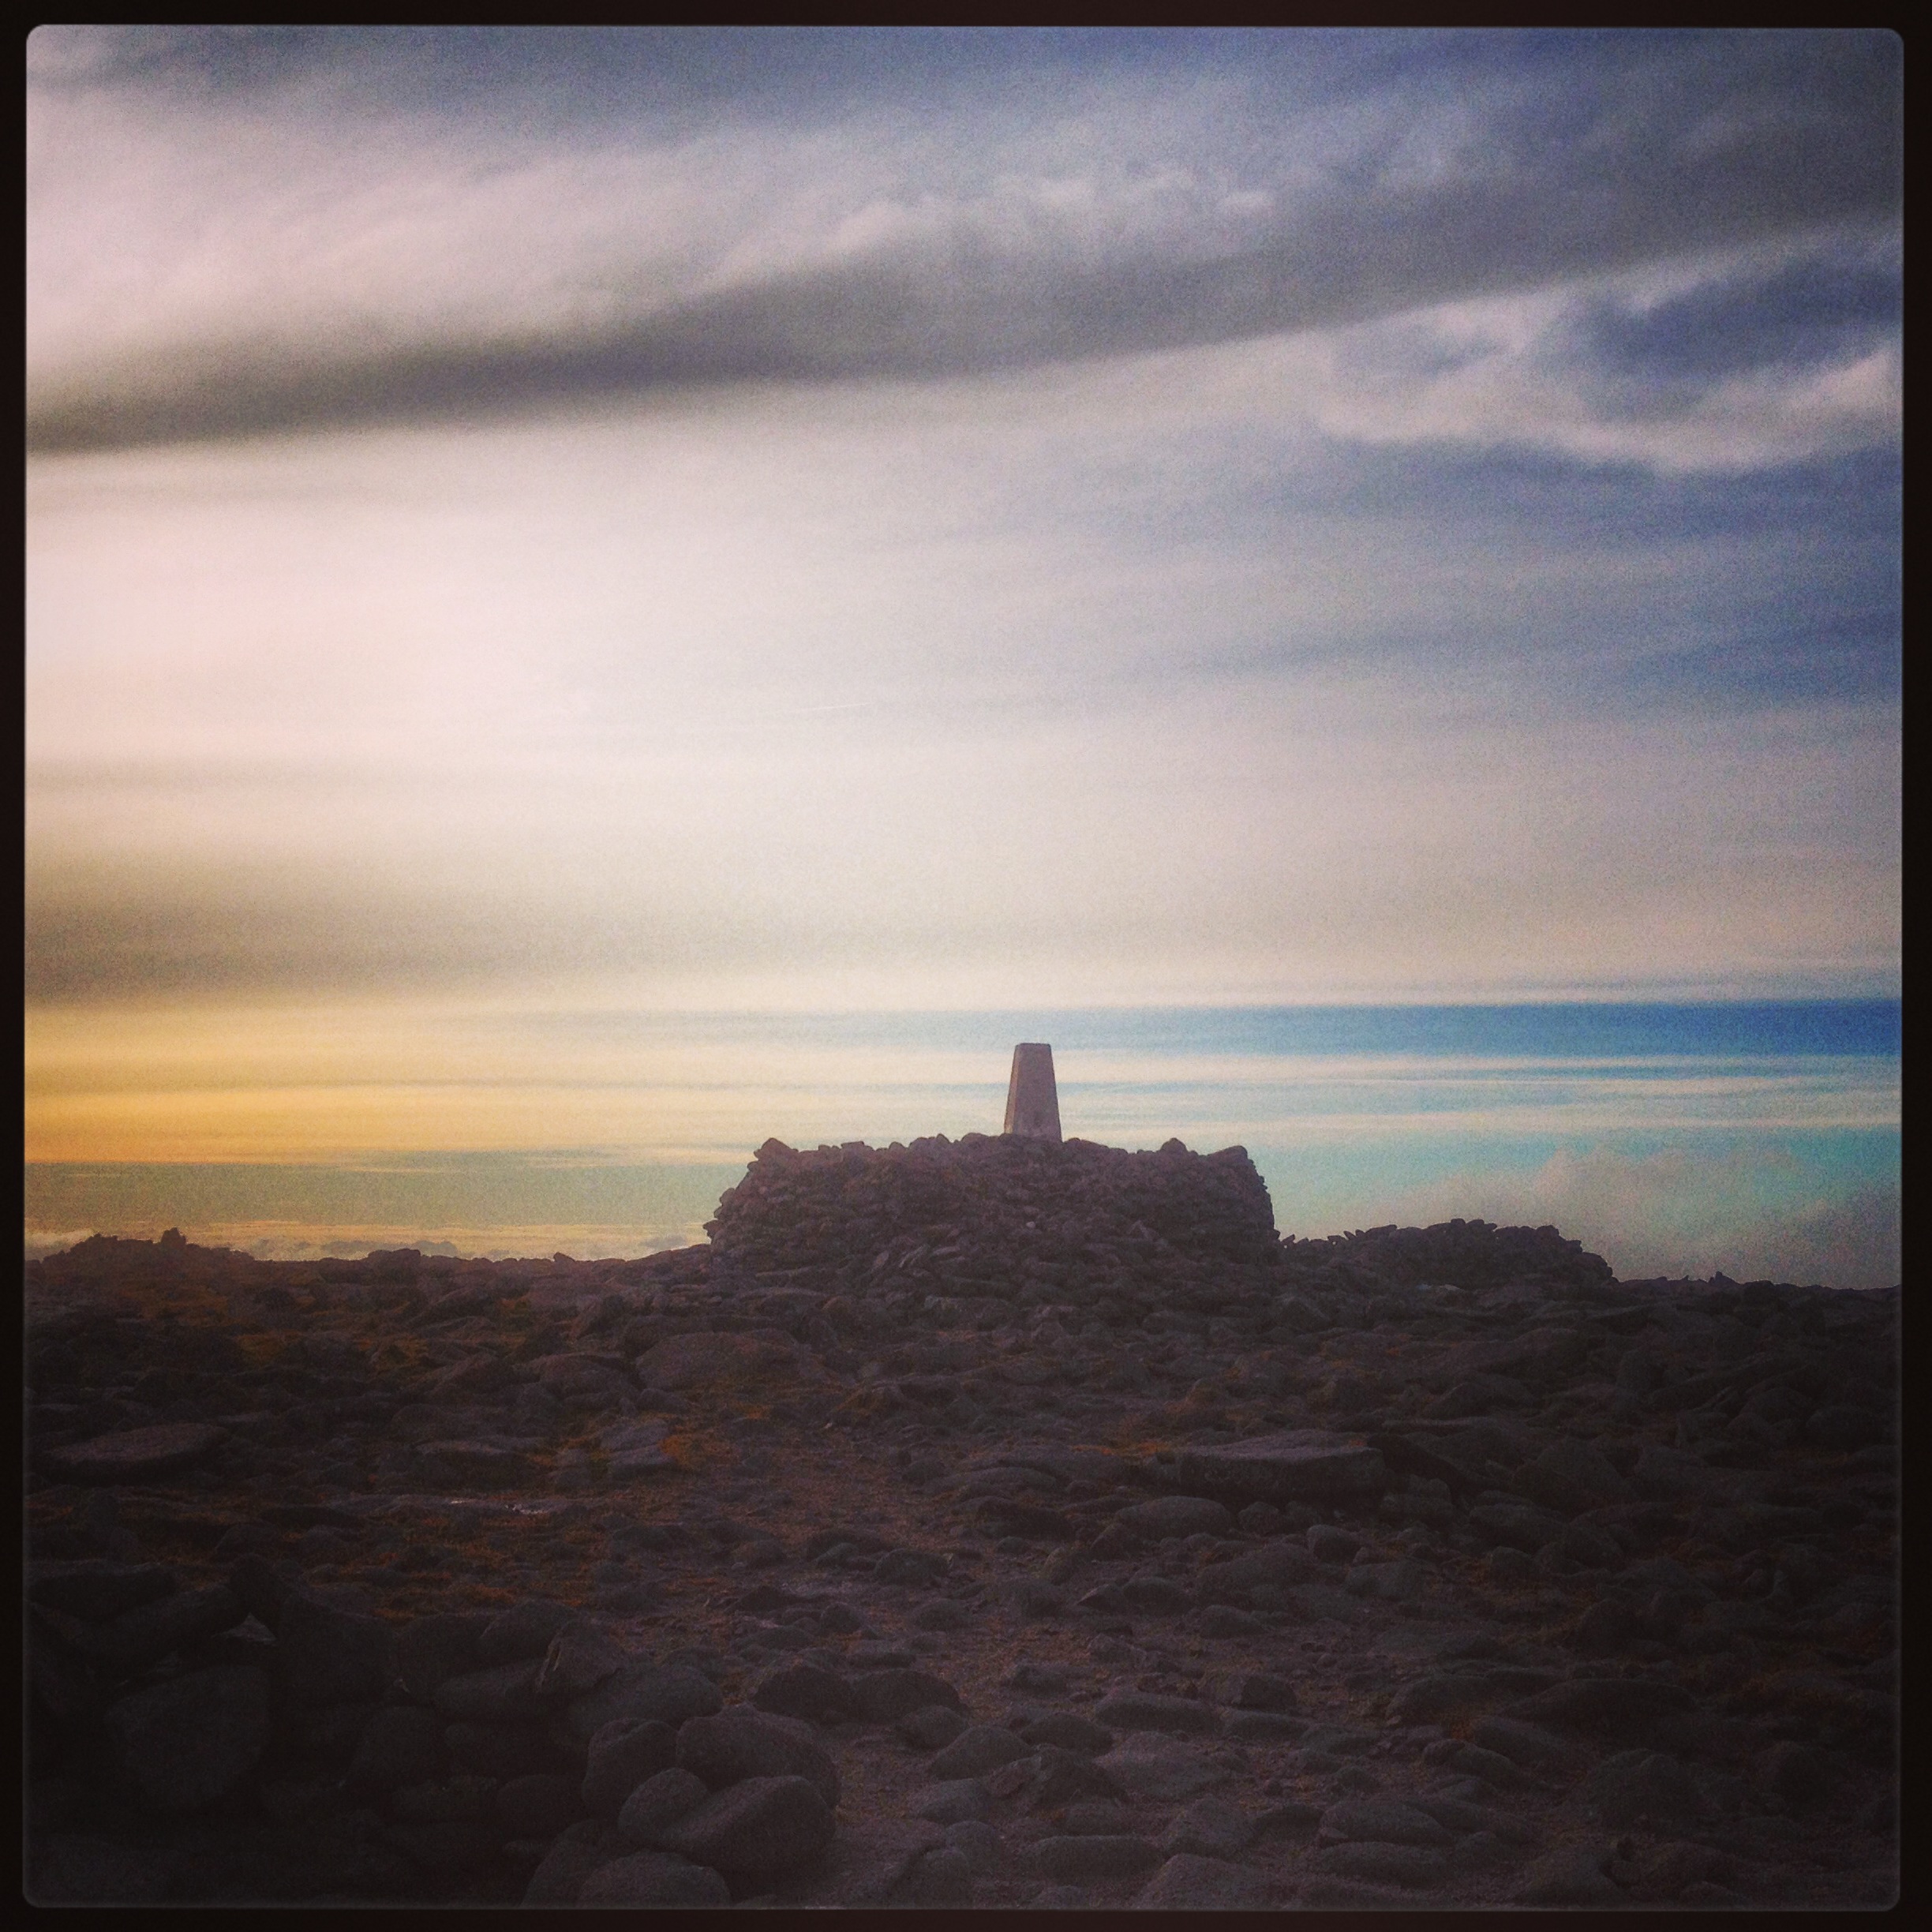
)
(644, 520)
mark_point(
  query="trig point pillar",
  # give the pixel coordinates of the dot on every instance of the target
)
(1032, 1102)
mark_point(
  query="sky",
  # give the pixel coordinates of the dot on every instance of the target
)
(527, 522)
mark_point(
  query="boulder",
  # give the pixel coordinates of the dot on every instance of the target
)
(742, 1741)
(524, 1629)
(659, 1802)
(1176, 1516)
(882, 1696)
(804, 1690)
(190, 1739)
(501, 1693)
(979, 1749)
(669, 1692)
(645, 1878)
(1141, 1710)
(623, 1754)
(756, 1833)
(133, 1455)
(1189, 1881)
(1296, 1466)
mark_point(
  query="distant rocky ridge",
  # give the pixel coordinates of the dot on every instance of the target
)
(992, 1522)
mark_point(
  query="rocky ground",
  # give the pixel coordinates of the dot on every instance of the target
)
(989, 1523)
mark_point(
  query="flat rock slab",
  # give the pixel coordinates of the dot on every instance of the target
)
(1296, 1465)
(133, 1455)
(1162, 1769)
(1190, 1883)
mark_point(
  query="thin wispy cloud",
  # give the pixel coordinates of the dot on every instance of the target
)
(312, 250)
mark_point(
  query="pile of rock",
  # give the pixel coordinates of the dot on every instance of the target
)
(524, 1740)
(1462, 1254)
(987, 1214)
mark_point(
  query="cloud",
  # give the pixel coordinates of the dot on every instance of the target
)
(282, 253)
(1684, 1211)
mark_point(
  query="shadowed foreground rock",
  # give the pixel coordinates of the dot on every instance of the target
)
(999, 1523)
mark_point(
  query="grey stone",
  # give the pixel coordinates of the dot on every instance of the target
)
(910, 1568)
(474, 1464)
(1141, 1710)
(671, 1693)
(1467, 1818)
(1289, 1821)
(1309, 1465)
(524, 1629)
(431, 1648)
(1602, 1703)
(1191, 1882)
(580, 1850)
(742, 1741)
(623, 1754)
(1329, 1545)
(133, 1455)
(501, 1693)
(1279, 1567)
(579, 1657)
(931, 1727)
(805, 1692)
(1572, 1475)
(189, 1740)
(943, 1876)
(1176, 1516)
(1380, 1863)
(756, 1833)
(1070, 1731)
(1080, 1860)
(1491, 1767)
(1209, 1828)
(1519, 1525)
(1225, 1620)
(980, 1748)
(660, 1801)
(882, 1696)
(1153, 1596)
(651, 1878)
(1529, 1745)
(1400, 1582)
(1161, 1769)
(1096, 1817)
(1387, 1820)
(1573, 1876)
(956, 1801)
(977, 1840)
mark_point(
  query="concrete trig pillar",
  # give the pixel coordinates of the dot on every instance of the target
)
(1032, 1102)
